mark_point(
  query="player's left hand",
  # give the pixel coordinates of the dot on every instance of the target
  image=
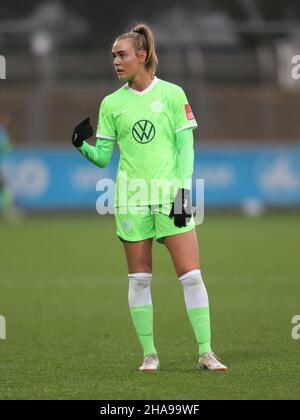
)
(181, 209)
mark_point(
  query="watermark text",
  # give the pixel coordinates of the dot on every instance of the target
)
(2, 328)
(296, 69)
(2, 67)
(296, 328)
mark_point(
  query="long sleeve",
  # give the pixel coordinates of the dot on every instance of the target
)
(185, 147)
(100, 154)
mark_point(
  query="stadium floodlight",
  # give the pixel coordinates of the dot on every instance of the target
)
(50, 16)
(42, 43)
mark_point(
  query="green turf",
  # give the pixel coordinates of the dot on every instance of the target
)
(63, 292)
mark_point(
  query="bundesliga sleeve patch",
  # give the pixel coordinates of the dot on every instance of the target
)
(189, 112)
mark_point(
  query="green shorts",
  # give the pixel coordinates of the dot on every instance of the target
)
(136, 224)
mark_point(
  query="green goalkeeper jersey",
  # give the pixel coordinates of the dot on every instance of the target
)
(145, 124)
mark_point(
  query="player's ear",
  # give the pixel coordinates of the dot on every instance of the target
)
(143, 56)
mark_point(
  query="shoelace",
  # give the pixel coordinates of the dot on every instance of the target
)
(150, 357)
(213, 357)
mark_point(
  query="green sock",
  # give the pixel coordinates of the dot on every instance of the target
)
(200, 320)
(142, 317)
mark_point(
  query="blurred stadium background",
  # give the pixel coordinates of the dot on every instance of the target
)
(234, 59)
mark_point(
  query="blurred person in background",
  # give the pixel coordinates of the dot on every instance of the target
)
(153, 123)
(7, 207)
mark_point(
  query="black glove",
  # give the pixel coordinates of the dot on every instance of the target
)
(181, 208)
(82, 132)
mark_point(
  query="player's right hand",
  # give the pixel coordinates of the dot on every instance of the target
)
(82, 132)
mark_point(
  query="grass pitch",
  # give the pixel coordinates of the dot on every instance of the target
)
(63, 292)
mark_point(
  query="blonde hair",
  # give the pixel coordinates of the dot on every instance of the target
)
(143, 39)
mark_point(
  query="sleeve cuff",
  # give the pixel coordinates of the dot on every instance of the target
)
(184, 127)
(105, 136)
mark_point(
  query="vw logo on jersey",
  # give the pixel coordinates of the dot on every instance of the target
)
(143, 131)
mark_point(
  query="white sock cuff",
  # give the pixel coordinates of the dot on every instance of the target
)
(195, 293)
(139, 275)
(189, 274)
(139, 293)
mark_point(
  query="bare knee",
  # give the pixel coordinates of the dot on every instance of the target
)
(139, 268)
(184, 269)
(184, 252)
(139, 256)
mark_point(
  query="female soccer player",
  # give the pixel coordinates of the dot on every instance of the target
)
(153, 124)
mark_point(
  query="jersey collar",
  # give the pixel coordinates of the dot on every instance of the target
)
(136, 92)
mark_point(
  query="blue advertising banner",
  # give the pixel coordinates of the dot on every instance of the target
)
(58, 179)
(235, 176)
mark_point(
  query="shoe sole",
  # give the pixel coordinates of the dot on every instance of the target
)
(149, 370)
(212, 370)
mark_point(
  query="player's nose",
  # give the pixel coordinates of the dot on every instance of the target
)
(116, 61)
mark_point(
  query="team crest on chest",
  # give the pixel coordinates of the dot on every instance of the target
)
(157, 106)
